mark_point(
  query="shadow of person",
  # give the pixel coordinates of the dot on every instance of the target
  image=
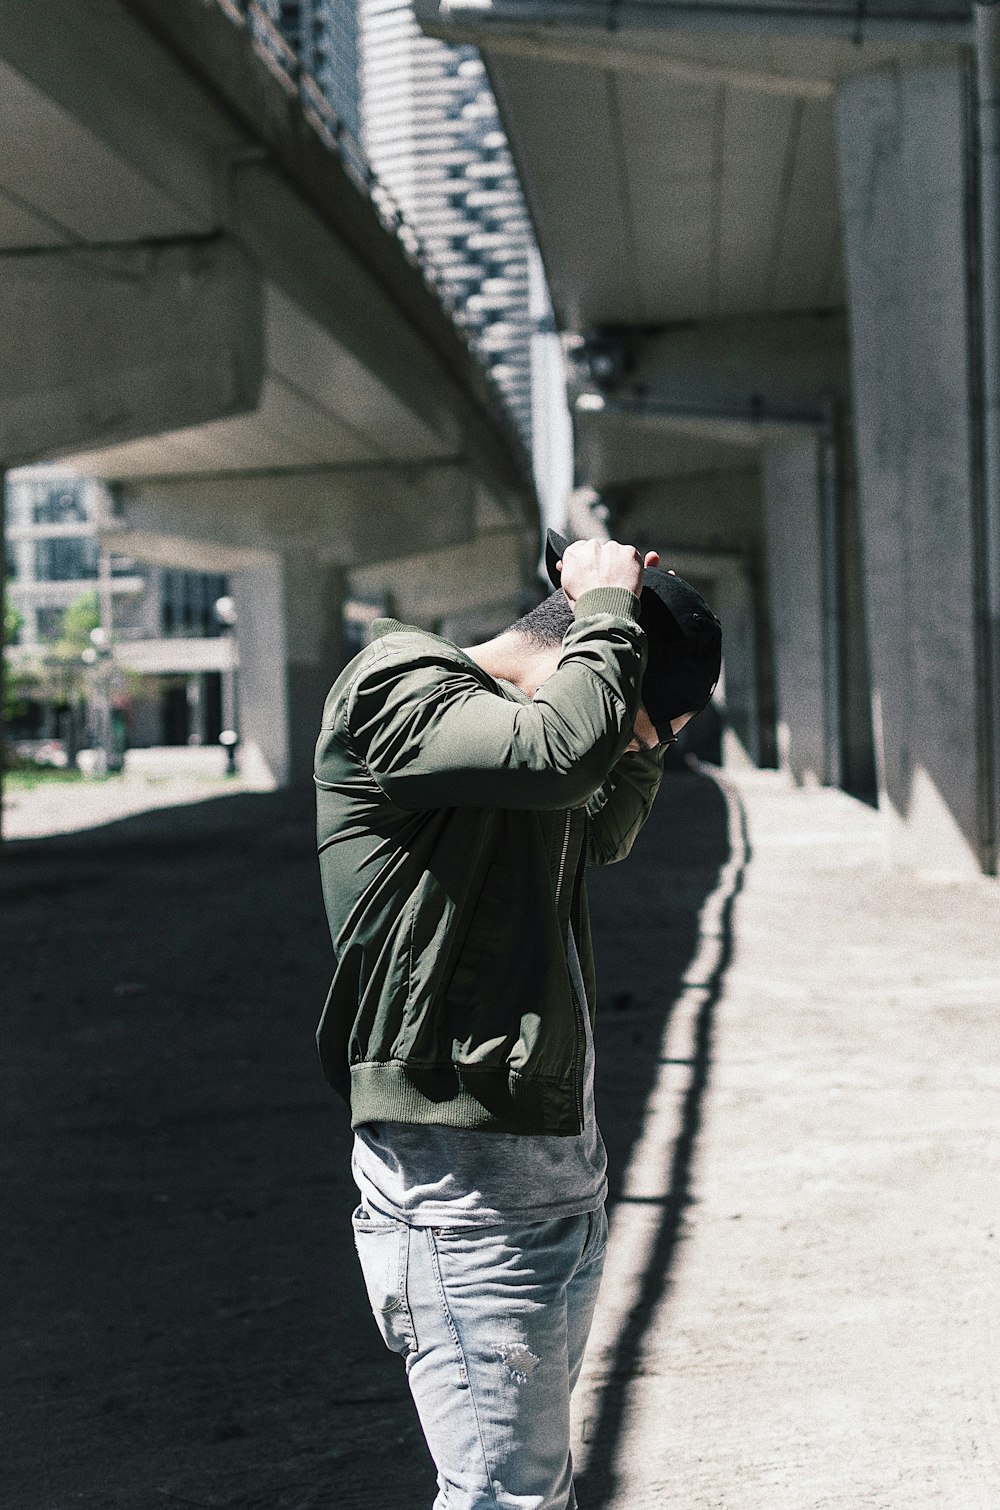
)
(182, 1288)
(181, 1293)
(645, 917)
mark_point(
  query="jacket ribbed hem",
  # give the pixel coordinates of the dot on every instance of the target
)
(486, 1100)
(615, 600)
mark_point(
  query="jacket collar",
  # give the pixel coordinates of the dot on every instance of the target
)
(382, 627)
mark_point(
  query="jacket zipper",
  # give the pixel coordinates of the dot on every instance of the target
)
(562, 859)
(577, 1009)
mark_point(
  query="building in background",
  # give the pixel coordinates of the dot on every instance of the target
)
(170, 651)
(53, 555)
(430, 128)
(321, 38)
(414, 120)
(421, 115)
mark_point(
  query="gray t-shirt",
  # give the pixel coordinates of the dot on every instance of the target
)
(453, 1177)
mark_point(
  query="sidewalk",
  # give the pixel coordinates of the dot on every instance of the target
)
(162, 777)
(819, 1179)
(799, 1064)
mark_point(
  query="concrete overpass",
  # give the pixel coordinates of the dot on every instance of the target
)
(770, 232)
(209, 302)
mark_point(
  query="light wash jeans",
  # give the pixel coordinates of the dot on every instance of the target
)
(492, 1323)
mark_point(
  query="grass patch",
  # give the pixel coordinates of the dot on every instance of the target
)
(27, 778)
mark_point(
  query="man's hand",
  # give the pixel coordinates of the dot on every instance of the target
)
(602, 563)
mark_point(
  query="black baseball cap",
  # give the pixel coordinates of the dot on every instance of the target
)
(685, 641)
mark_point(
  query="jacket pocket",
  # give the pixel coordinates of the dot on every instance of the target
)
(383, 1249)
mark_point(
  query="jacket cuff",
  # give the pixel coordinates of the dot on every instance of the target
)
(614, 600)
(650, 762)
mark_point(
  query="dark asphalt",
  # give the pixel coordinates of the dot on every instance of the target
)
(184, 1320)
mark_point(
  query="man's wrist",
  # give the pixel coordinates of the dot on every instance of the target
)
(613, 600)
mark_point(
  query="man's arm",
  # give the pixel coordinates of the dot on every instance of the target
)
(618, 811)
(433, 736)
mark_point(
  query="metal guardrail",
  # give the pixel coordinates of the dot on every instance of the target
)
(282, 62)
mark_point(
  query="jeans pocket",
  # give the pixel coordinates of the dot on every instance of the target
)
(383, 1249)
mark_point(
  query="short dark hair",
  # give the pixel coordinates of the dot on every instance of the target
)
(547, 622)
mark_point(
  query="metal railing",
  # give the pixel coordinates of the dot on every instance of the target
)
(282, 62)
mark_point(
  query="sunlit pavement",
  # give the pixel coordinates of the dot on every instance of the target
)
(802, 1298)
(156, 778)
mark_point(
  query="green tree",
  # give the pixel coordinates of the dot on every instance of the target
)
(12, 622)
(82, 615)
(59, 675)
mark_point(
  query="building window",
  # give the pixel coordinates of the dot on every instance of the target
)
(58, 503)
(187, 602)
(71, 560)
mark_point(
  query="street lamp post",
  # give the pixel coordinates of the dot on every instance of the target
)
(97, 656)
(225, 612)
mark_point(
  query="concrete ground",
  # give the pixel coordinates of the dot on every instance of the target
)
(167, 776)
(799, 1064)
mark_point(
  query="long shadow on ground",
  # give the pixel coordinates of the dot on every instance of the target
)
(185, 1322)
(675, 865)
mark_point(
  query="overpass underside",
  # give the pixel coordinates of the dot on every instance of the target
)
(770, 235)
(203, 304)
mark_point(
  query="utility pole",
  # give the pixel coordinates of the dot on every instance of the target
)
(100, 659)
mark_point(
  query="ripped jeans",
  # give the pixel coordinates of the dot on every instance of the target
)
(492, 1323)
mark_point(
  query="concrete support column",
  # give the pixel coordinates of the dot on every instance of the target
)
(733, 601)
(791, 480)
(314, 648)
(259, 595)
(446, 587)
(987, 529)
(902, 150)
(858, 774)
(289, 640)
(196, 709)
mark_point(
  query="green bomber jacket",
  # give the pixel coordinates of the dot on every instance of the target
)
(455, 817)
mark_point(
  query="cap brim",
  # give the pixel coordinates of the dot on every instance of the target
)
(555, 549)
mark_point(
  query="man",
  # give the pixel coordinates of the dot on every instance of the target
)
(460, 795)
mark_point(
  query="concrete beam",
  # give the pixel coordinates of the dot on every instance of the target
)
(783, 368)
(497, 24)
(786, 364)
(161, 547)
(341, 516)
(165, 121)
(723, 386)
(307, 212)
(618, 451)
(710, 511)
(749, 425)
(446, 584)
(108, 344)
